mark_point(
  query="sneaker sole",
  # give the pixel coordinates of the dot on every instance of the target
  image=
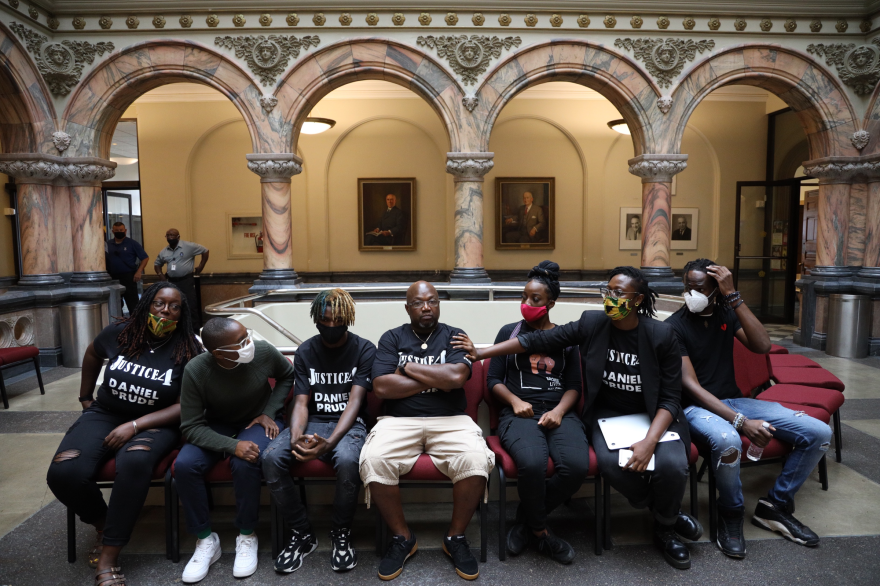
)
(345, 569)
(301, 560)
(214, 559)
(397, 573)
(244, 573)
(737, 556)
(778, 527)
(459, 572)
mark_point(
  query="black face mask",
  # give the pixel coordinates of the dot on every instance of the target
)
(331, 334)
(119, 235)
(173, 243)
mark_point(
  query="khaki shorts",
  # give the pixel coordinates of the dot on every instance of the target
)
(455, 445)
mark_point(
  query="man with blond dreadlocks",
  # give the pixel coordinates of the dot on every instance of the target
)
(332, 373)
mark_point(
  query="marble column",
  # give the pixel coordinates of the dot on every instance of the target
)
(63, 233)
(84, 177)
(34, 174)
(468, 170)
(275, 171)
(656, 172)
(872, 225)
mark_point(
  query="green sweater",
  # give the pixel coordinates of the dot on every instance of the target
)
(212, 394)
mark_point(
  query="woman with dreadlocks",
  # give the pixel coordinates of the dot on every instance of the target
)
(327, 422)
(631, 366)
(135, 419)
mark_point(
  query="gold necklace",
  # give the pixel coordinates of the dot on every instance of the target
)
(425, 341)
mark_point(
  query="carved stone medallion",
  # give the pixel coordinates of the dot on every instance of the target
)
(61, 140)
(424, 19)
(398, 19)
(268, 56)
(292, 19)
(60, 64)
(470, 102)
(504, 20)
(790, 25)
(857, 66)
(469, 57)
(268, 103)
(478, 19)
(860, 139)
(664, 104)
(816, 25)
(186, 21)
(584, 21)
(664, 58)
(663, 22)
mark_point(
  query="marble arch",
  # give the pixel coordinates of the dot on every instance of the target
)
(331, 67)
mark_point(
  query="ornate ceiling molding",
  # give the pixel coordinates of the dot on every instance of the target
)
(469, 166)
(268, 56)
(469, 57)
(664, 58)
(657, 168)
(60, 64)
(274, 167)
(858, 66)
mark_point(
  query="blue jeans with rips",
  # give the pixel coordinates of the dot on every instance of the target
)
(810, 438)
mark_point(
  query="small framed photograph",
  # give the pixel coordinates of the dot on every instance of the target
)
(386, 214)
(683, 228)
(244, 235)
(630, 228)
(525, 213)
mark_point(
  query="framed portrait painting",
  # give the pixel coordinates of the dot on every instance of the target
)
(630, 228)
(683, 228)
(386, 214)
(525, 213)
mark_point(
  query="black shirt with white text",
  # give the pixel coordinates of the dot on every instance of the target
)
(621, 378)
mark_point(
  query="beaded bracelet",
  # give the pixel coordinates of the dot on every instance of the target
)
(741, 301)
(732, 297)
(738, 421)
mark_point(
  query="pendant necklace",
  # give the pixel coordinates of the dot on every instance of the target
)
(154, 348)
(425, 341)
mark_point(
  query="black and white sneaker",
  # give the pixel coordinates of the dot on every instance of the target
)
(343, 557)
(773, 518)
(291, 558)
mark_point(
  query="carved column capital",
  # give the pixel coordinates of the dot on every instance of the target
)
(88, 172)
(49, 169)
(28, 168)
(831, 170)
(274, 167)
(469, 166)
(657, 168)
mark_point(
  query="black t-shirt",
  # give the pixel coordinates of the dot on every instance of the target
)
(534, 377)
(327, 374)
(134, 387)
(621, 378)
(708, 341)
(402, 345)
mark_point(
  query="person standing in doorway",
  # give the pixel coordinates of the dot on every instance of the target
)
(126, 261)
(180, 256)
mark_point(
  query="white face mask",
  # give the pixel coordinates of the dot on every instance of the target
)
(697, 302)
(245, 353)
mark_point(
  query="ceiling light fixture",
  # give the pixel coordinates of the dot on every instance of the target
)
(317, 125)
(619, 126)
(124, 160)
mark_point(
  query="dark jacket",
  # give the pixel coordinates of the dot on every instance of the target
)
(392, 220)
(659, 361)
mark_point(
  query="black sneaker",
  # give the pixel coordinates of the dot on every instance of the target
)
(398, 552)
(291, 558)
(518, 538)
(674, 551)
(731, 540)
(555, 548)
(343, 557)
(687, 527)
(773, 518)
(465, 563)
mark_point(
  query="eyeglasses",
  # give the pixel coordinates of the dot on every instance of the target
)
(160, 305)
(239, 345)
(416, 304)
(615, 293)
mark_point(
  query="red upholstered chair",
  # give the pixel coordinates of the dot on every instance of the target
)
(804, 396)
(811, 377)
(791, 361)
(10, 357)
(105, 478)
(777, 349)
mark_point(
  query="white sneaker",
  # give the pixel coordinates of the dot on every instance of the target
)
(245, 555)
(207, 552)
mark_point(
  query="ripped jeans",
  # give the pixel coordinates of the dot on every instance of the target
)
(277, 458)
(810, 438)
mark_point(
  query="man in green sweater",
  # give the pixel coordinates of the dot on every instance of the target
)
(227, 408)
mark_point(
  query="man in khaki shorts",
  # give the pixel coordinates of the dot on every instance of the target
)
(420, 376)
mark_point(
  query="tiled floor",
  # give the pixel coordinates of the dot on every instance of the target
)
(847, 516)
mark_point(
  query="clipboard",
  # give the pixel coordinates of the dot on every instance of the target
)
(624, 431)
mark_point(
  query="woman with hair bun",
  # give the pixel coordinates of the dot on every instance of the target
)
(539, 392)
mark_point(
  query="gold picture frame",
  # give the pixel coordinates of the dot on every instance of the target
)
(381, 228)
(521, 228)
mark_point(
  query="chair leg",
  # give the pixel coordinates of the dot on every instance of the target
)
(502, 515)
(607, 514)
(713, 510)
(302, 493)
(597, 515)
(3, 391)
(175, 523)
(838, 436)
(71, 536)
(823, 472)
(695, 506)
(168, 540)
(39, 374)
(702, 470)
(484, 530)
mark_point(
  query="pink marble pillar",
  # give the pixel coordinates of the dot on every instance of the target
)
(858, 208)
(833, 224)
(84, 177)
(872, 226)
(468, 170)
(63, 233)
(275, 171)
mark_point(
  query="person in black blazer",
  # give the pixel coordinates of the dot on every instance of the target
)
(631, 365)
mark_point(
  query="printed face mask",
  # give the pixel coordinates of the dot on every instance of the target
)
(531, 313)
(245, 353)
(697, 302)
(617, 309)
(160, 326)
(331, 334)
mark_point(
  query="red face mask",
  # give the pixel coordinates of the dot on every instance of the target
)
(531, 313)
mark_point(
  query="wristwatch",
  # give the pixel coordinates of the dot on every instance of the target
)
(402, 369)
(89, 397)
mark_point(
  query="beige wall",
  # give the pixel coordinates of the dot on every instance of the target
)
(193, 173)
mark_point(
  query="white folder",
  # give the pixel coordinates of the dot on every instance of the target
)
(624, 431)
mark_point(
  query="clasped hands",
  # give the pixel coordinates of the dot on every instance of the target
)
(249, 451)
(309, 447)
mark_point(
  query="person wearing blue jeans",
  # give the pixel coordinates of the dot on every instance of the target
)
(332, 377)
(228, 408)
(717, 412)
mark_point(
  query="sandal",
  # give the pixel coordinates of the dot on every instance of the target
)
(115, 579)
(96, 550)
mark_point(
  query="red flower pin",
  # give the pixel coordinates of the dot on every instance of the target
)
(724, 327)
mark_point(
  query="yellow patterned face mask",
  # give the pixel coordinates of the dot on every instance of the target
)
(617, 309)
(160, 326)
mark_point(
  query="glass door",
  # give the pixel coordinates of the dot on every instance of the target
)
(765, 254)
